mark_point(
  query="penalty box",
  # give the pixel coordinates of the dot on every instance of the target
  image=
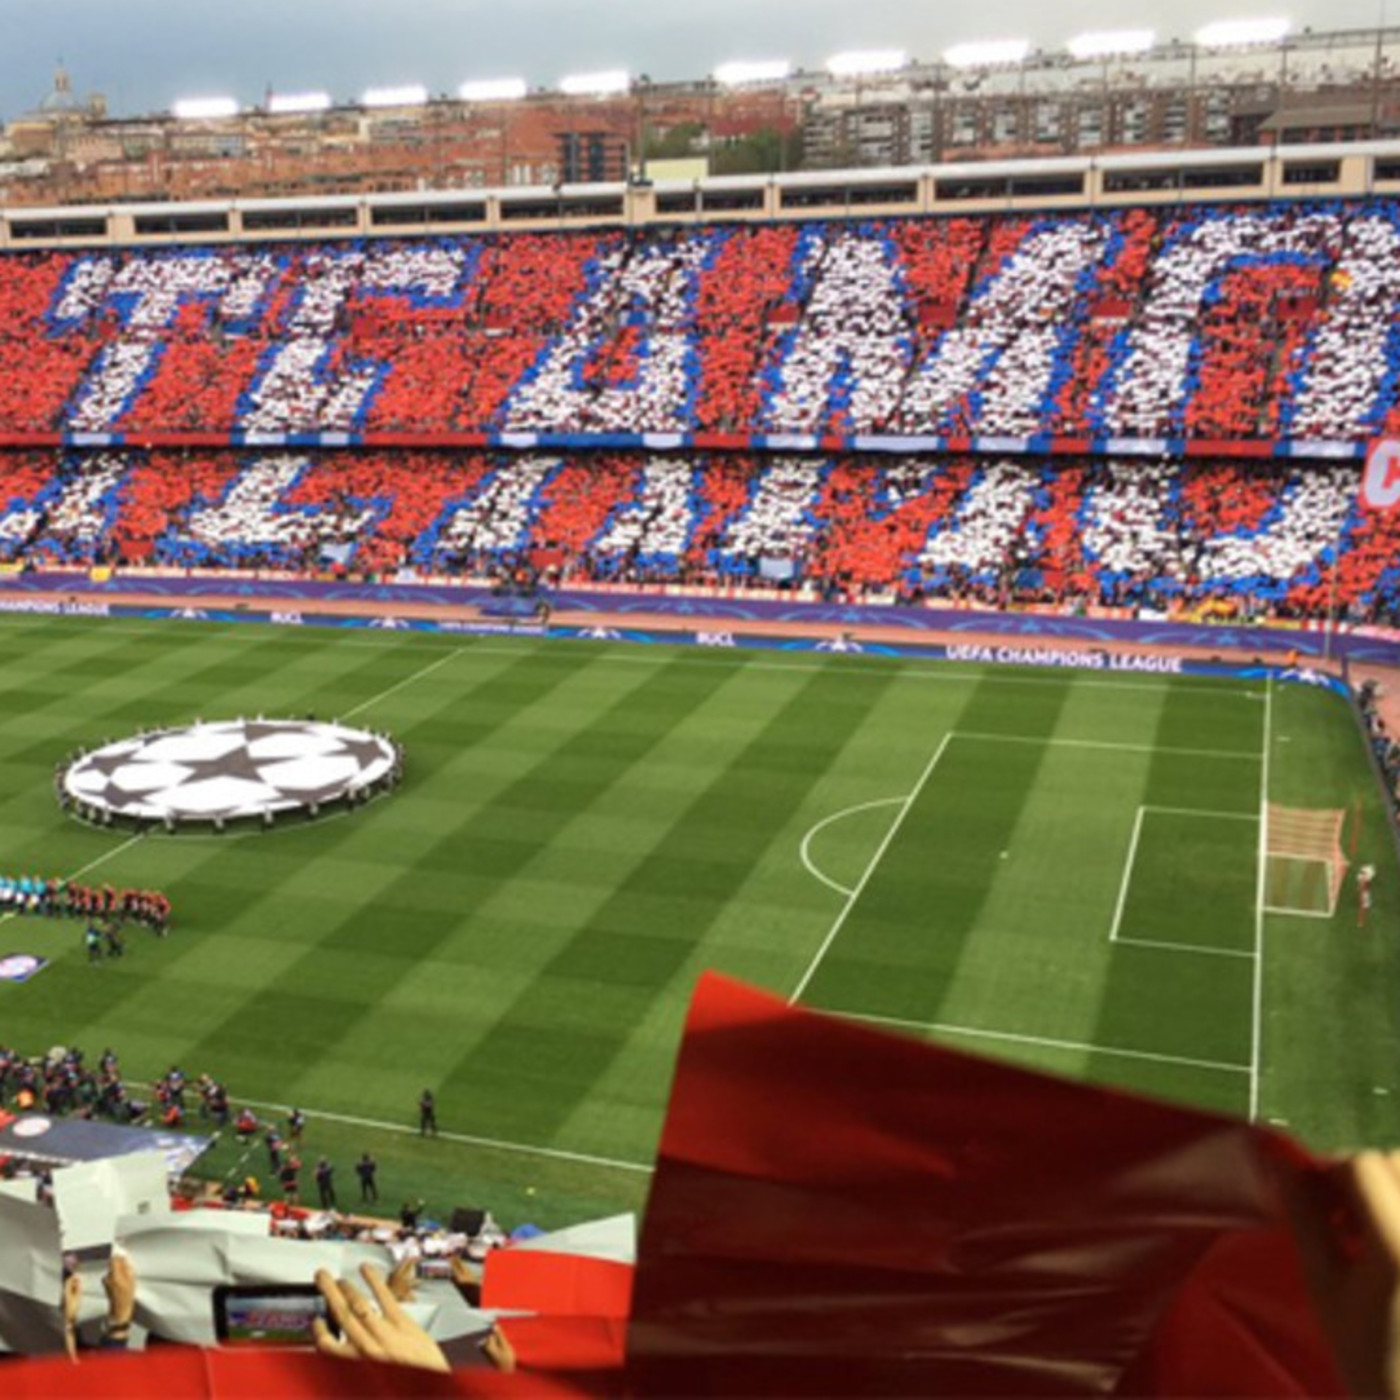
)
(1190, 882)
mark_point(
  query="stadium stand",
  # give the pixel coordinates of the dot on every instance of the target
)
(1148, 410)
(1212, 324)
(1227, 539)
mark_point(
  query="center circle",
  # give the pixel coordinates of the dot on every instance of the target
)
(229, 770)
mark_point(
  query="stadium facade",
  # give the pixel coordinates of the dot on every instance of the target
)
(1174, 95)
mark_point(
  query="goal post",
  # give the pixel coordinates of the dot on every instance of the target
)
(1305, 863)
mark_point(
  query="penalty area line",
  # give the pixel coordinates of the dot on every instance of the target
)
(806, 848)
(1015, 1038)
(1127, 877)
(1261, 899)
(1054, 741)
(467, 1139)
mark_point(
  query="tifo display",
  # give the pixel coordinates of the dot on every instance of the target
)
(1227, 538)
(230, 771)
(1235, 323)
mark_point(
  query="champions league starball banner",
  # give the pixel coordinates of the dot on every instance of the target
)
(228, 770)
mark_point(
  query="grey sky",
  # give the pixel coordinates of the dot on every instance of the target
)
(144, 53)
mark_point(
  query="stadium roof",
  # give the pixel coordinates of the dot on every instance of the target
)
(1320, 115)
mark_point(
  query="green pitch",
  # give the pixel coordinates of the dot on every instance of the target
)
(1061, 868)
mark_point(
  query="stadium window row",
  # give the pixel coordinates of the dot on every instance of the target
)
(1343, 170)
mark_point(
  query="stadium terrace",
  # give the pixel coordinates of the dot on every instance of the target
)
(1245, 328)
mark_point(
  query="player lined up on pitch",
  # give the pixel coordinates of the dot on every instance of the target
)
(56, 898)
(1365, 894)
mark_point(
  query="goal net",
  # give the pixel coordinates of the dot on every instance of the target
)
(1304, 862)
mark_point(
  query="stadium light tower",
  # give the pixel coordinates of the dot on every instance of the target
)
(283, 102)
(989, 53)
(1110, 43)
(865, 63)
(608, 83)
(1238, 33)
(193, 109)
(410, 95)
(493, 90)
(742, 71)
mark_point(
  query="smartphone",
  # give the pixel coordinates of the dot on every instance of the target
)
(268, 1314)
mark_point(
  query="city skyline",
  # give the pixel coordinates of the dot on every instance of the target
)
(144, 54)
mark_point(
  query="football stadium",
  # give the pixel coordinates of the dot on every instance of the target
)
(681, 782)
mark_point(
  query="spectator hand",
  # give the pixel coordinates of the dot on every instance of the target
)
(467, 1278)
(403, 1279)
(72, 1298)
(385, 1333)
(498, 1351)
(120, 1284)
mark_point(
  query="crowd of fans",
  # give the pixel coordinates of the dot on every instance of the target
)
(1221, 539)
(1384, 744)
(63, 1083)
(1213, 321)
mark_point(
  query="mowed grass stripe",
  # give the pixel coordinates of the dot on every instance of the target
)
(1192, 882)
(260, 906)
(1037, 958)
(346, 976)
(204, 680)
(768, 930)
(1187, 1003)
(35, 736)
(295, 687)
(515, 929)
(900, 946)
(646, 934)
(239, 887)
(245, 872)
(1331, 1022)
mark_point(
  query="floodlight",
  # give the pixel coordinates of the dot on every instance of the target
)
(283, 102)
(605, 84)
(752, 71)
(859, 63)
(204, 108)
(1236, 33)
(493, 89)
(1111, 43)
(991, 53)
(412, 95)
